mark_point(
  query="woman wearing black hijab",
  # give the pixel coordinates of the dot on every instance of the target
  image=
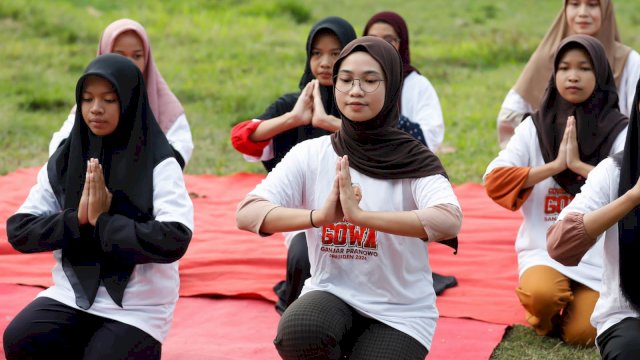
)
(291, 119)
(112, 206)
(608, 203)
(368, 197)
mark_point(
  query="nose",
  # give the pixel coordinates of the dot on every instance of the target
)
(325, 62)
(582, 10)
(356, 90)
(96, 107)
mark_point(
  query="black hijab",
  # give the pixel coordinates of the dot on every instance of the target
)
(283, 142)
(128, 157)
(598, 119)
(628, 229)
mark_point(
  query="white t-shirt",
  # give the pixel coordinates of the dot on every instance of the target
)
(600, 189)
(179, 136)
(383, 276)
(421, 105)
(542, 207)
(152, 292)
(626, 90)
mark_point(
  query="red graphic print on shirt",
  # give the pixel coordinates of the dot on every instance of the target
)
(554, 202)
(343, 240)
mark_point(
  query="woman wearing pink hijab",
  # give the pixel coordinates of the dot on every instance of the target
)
(128, 38)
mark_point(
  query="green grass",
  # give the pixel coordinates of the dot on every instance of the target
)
(227, 60)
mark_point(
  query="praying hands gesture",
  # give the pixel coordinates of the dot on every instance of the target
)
(302, 111)
(343, 199)
(96, 198)
(320, 117)
(573, 154)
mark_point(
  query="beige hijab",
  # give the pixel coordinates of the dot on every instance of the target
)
(534, 78)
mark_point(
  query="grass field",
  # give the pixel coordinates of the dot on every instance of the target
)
(227, 60)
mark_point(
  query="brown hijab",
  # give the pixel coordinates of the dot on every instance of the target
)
(532, 81)
(400, 27)
(598, 120)
(375, 147)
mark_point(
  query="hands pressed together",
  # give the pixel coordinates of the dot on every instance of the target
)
(343, 199)
(309, 109)
(96, 198)
(569, 154)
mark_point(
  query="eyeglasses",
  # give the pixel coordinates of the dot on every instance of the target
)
(366, 85)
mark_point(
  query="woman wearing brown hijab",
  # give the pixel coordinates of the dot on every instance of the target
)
(370, 293)
(542, 168)
(587, 17)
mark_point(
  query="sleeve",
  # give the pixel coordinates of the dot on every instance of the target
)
(251, 213)
(283, 185)
(421, 100)
(518, 150)
(240, 134)
(39, 225)
(567, 241)
(630, 77)
(440, 222)
(63, 133)
(165, 238)
(504, 185)
(180, 139)
(511, 114)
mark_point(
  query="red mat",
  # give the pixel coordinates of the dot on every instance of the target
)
(223, 261)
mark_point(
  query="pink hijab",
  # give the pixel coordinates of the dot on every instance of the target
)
(165, 105)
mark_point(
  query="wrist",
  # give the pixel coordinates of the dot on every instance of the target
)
(311, 219)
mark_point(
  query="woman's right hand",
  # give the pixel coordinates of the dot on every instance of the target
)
(83, 206)
(302, 111)
(561, 160)
(331, 210)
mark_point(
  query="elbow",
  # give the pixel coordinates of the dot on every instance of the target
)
(557, 246)
(455, 224)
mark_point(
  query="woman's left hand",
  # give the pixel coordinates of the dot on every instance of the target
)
(349, 195)
(99, 195)
(573, 153)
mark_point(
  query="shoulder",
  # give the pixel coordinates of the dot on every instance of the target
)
(417, 80)
(168, 167)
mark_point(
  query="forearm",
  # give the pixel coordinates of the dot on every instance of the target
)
(281, 219)
(142, 242)
(581, 168)
(403, 223)
(272, 127)
(597, 221)
(332, 123)
(30, 233)
(540, 173)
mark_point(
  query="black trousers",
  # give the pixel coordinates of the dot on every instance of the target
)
(321, 326)
(298, 270)
(621, 341)
(48, 329)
